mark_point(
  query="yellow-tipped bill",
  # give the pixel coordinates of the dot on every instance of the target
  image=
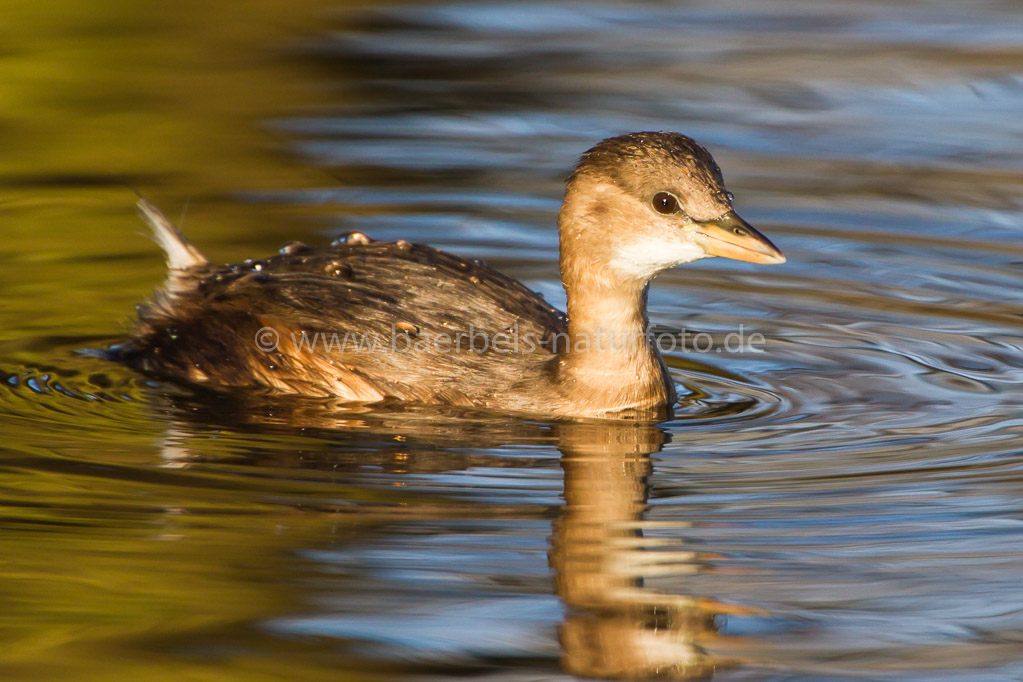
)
(732, 237)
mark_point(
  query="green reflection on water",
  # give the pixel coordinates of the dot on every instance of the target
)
(147, 89)
(166, 97)
(110, 566)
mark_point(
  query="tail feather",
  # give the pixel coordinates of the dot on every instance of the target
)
(182, 257)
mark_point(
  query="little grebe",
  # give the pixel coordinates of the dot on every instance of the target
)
(367, 321)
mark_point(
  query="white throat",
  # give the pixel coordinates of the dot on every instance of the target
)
(644, 259)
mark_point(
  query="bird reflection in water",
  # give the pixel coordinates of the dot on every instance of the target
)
(615, 626)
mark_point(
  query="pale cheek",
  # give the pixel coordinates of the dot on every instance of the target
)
(648, 257)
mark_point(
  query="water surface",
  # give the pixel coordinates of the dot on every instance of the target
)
(843, 505)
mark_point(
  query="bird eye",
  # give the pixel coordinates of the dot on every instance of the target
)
(665, 203)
